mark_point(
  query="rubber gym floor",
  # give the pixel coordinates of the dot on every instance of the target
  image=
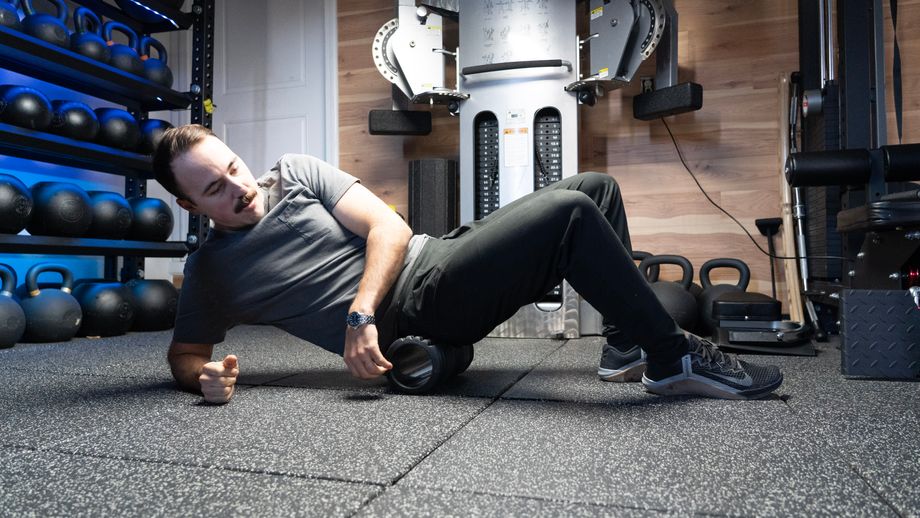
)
(95, 427)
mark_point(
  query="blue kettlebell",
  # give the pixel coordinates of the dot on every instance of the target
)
(47, 27)
(155, 69)
(9, 17)
(87, 36)
(123, 57)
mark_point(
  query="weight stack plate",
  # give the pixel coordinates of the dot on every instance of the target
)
(547, 167)
(881, 334)
(486, 168)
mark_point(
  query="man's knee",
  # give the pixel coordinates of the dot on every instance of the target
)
(593, 180)
(568, 201)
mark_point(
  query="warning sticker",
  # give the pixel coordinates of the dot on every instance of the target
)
(597, 12)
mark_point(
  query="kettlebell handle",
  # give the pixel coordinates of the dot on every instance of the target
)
(29, 9)
(33, 273)
(82, 15)
(651, 274)
(149, 41)
(743, 271)
(110, 26)
(681, 261)
(9, 280)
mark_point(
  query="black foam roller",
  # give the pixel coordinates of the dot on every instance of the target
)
(902, 163)
(846, 167)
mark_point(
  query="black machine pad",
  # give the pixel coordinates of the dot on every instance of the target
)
(746, 306)
(880, 215)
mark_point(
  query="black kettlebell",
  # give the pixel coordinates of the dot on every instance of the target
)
(60, 209)
(117, 128)
(123, 57)
(420, 366)
(9, 16)
(12, 319)
(107, 306)
(151, 132)
(87, 36)
(712, 292)
(15, 204)
(155, 304)
(74, 119)
(112, 215)
(675, 297)
(153, 219)
(652, 273)
(52, 315)
(25, 107)
(138, 12)
(155, 69)
(45, 26)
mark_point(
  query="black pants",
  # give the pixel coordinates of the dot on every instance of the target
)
(473, 279)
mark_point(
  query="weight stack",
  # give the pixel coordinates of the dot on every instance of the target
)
(434, 196)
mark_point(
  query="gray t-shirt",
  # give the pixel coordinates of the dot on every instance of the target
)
(298, 268)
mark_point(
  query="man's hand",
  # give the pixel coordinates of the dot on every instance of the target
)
(218, 379)
(362, 353)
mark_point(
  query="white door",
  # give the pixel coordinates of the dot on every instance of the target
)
(271, 64)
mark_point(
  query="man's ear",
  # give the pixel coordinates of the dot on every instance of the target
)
(187, 205)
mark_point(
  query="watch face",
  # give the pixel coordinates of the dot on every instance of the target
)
(355, 319)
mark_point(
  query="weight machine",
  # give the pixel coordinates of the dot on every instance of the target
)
(521, 72)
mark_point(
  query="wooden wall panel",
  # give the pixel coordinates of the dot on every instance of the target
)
(737, 49)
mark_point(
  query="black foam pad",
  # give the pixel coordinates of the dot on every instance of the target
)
(398, 122)
(680, 98)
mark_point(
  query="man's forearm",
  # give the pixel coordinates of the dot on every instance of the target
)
(386, 251)
(186, 368)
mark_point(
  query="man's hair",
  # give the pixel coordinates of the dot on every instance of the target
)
(174, 142)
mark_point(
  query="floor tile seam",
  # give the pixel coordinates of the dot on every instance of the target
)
(212, 467)
(369, 392)
(84, 374)
(876, 491)
(534, 498)
(476, 414)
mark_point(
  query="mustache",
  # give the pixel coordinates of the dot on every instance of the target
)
(245, 200)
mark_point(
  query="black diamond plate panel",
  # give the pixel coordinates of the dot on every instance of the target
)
(881, 334)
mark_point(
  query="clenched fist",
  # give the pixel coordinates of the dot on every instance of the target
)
(218, 379)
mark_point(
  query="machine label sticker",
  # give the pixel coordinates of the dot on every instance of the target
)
(604, 72)
(597, 12)
(516, 144)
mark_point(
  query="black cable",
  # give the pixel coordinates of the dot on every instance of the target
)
(716, 205)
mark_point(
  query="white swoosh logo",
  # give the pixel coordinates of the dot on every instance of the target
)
(746, 381)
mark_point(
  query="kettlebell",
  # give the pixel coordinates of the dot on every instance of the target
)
(112, 215)
(117, 128)
(61, 209)
(138, 12)
(155, 304)
(151, 132)
(123, 57)
(652, 273)
(420, 366)
(12, 319)
(9, 17)
(711, 292)
(74, 119)
(87, 36)
(155, 69)
(675, 297)
(15, 204)
(107, 306)
(25, 107)
(153, 219)
(45, 26)
(52, 315)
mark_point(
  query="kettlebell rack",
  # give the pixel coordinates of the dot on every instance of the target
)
(27, 55)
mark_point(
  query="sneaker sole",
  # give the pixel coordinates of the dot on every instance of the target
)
(699, 386)
(628, 374)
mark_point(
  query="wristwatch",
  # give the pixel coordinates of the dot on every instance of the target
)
(356, 320)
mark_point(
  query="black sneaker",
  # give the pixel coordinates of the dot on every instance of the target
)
(706, 371)
(621, 366)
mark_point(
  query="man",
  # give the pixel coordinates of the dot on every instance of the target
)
(308, 249)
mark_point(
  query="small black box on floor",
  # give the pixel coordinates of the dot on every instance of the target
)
(881, 334)
(434, 196)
